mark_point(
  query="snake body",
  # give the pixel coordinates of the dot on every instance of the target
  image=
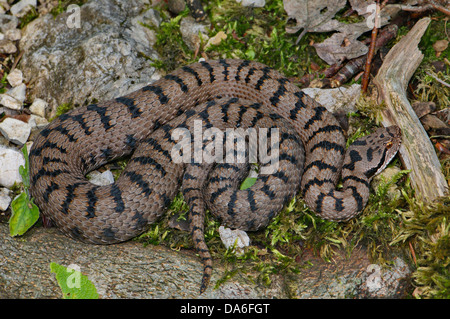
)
(224, 94)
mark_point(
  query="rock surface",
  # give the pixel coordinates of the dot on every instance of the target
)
(110, 53)
(10, 160)
(130, 270)
(15, 131)
(5, 199)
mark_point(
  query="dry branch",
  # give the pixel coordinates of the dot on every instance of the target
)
(416, 152)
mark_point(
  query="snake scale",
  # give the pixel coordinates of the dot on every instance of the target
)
(224, 93)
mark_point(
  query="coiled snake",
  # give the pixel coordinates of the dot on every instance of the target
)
(222, 94)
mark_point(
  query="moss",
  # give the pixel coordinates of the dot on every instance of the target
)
(62, 109)
(169, 43)
(63, 4)
(426, 230)
(30, 16)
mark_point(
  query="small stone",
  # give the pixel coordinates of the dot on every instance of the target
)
(7, 47)
(190, 30)
(13, 34)
(252, 3)
(10, 102)
(5, 200)
(8, 22)
(10, 161)
(21, 8)
(15, 131)
(176, 6)
(37, 121)
(231, 237)
(15, 78)
(18, 92)
(101, 179)
(215, 40)
(38, 107)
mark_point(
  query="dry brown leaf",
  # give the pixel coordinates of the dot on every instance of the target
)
(313, 16)
(318, 16)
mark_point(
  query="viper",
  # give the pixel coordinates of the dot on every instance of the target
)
(220, 94)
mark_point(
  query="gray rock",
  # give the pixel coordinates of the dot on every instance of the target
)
(37, 121)
(39, 107)
(131, 270)
(21, 8)
(13, 34)
(5, 199)
(7, 47)
(18, 92)
(101, 179)
(10, 102)
(15, 77)
(252, 3)
(8, 22)
(106, 57)
(15, 131)
(10, 161)
(190, 30)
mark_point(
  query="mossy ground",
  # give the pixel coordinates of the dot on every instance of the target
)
(389, 225)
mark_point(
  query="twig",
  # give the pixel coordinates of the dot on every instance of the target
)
(438, 79)
(355, 65)
(427, 6)
(365, 79)
(16, 61)
(439, 7)
(412, 253)
(301, 36)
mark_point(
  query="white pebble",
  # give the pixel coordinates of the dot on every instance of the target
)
(101, 179)
(21, 8)
(15, 78)
(7, 47)
(229, 237)
(10, 161)
(18, 92)
(37, 121)
(5, 200)
(15, 131)
(13, 34)
(252, 3)
(38, 107)
(10, 102)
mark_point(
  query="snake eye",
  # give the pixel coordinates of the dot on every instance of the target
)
(389, 145)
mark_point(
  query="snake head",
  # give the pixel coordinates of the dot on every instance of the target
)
(372, 153)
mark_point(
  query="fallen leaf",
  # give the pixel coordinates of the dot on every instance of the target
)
(318, 16)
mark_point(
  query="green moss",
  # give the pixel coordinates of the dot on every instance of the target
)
(63, 4)
(62, 109)
(30, 16)
(170, 45)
